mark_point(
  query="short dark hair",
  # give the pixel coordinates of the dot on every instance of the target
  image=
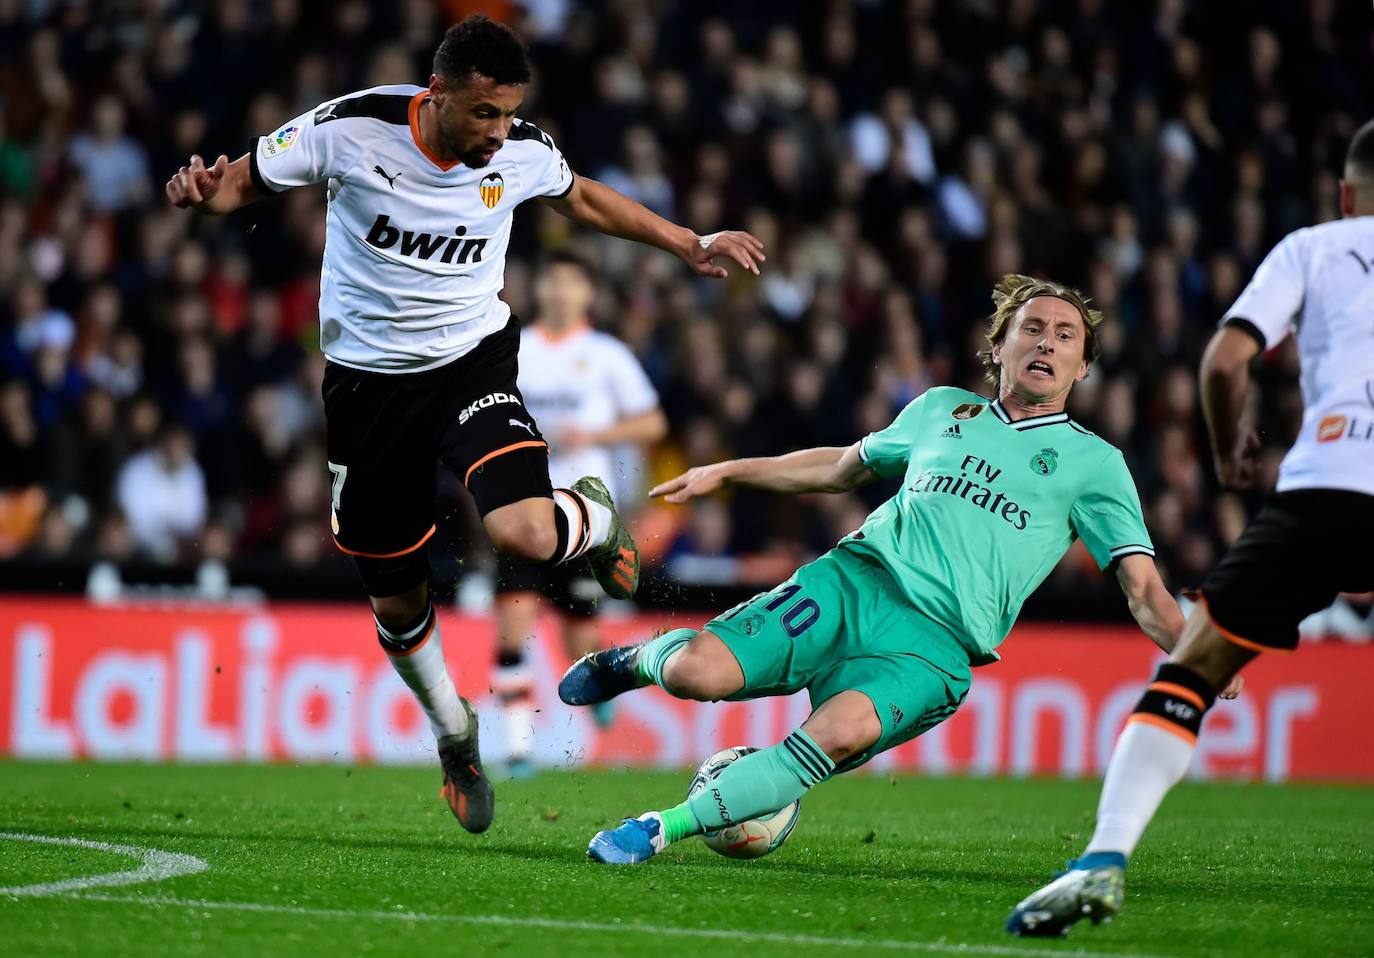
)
(566, 257)
(1359, 158)
(481, 45)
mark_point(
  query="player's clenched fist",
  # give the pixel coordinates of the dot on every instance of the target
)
(196, 184)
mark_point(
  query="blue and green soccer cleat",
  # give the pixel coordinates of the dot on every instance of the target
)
(1093, 887)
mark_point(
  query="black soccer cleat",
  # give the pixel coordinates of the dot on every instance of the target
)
(466, 788)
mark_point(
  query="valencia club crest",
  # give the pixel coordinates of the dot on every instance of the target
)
(491, 188)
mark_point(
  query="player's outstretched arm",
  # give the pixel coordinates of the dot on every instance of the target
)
(1154, 608)
(823, 469)
(1225, 378)
(214, 190)
(597, 206)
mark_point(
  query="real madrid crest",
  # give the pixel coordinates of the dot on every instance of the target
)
(1044, 462)
(967, 410)
(491, 188)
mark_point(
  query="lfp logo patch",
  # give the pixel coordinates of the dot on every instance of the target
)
(491, 188)
(281, 141)
(1044, 462)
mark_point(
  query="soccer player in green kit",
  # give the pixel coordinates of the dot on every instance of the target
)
(884, 629)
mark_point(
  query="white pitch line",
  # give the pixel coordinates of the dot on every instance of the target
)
(154, 865)
(557, 924)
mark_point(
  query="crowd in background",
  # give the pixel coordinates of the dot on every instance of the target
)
(159, 371)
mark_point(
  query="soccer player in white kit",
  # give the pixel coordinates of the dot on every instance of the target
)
(422, 184)
(592, 400)
(1309, 542)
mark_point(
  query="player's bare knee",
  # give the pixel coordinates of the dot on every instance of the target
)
(397, 611)
(522, 537)
(695, 672)
(1211, 655)
(845, 727)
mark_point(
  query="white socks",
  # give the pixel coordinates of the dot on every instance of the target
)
(1146, 763)
(588, 523)
(417, 655)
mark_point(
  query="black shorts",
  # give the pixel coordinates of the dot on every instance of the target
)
(385, 432)
(569, 587)
(1291, 560)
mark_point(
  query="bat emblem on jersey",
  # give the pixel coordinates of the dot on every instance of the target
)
(523, 425)
(390, 180)
(491, 188)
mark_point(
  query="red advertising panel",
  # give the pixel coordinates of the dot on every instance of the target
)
(307, 683)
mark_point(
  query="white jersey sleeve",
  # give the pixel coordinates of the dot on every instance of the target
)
(1270, 303)
(554, 179)
(301, 152)
(629, 384)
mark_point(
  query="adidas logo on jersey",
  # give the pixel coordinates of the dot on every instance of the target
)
(952, 433)
(486, 402)
(456, 248)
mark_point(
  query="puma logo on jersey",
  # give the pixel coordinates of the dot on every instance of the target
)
(523, 425)
(390, 180)
(486, 402)
(456, 248)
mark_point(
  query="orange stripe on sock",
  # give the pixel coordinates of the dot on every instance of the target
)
(385, 555)
(1165, 724)
(527, 444)
(1231, 636)
(578, 542)
(1187, 694)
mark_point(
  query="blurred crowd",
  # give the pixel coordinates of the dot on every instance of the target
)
(159, 371)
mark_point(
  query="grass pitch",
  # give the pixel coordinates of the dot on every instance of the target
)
(367, 861)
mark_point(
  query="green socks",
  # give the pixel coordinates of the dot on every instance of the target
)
(757, 784)
(655, 654)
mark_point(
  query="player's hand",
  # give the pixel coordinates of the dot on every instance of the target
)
(698, 481)
(1238, 468)
(572, 439)
(196, 184)
(1233, 688)
(743, 248)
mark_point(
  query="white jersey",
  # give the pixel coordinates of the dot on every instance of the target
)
(415, 248)
(585, 380)
(1319, 282)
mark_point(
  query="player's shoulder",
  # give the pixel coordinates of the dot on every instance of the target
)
(602, 341)
(1094, 452)
(960, 402)
(523, 132)
(388, 104)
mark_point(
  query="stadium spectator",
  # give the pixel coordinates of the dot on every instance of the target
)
(894, 157)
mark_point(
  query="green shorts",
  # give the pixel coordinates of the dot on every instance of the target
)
(841, 623)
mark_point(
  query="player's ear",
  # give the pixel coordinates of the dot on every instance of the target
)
(437, 88)
(1347, 198)
(1082, 373)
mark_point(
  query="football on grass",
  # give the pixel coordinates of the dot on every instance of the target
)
(750, 839)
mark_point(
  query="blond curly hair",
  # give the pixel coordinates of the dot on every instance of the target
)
(1014, 291)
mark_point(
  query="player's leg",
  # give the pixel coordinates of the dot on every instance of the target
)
(1283, 568)
(517, 607)
(581, 634)
(868, 699)
(382, 462)
(1151, 756)
(492, 443)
